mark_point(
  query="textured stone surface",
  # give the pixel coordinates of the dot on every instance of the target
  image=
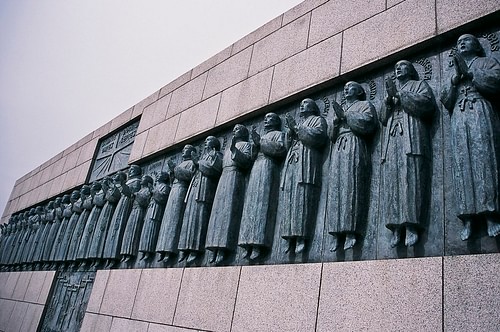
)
(165, 328)
(35, 286)
(156, 296)
(102, 131)
(138, 147)
(211, 62)
(315, 65)
(17, 316)
(32, 317)
(94, 323)
(391, 3)
(453, 13)
(10, 285)
(277, 298)
(154, 113)
(98, 289)
(4, 276)
(47, 284)
(179, 81)
(360, 47)
(187, 95)
(257, 35)
(228, 73)
(301, 9)
(207, 298)
(139, 107)
(161, 135)
(7, 306)
(120, 325)
(245, 97)
(334, 16)
(119, 296)
(121, 119)
(471, 293)
(390, 295)
(198, 118)
(280, 45)
(87, 151)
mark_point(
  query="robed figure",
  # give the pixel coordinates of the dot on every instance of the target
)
(349, 165)
(259, 208)
(301, 177)
(406, 114)
(199, 199)
(222, 233)
(475, 135)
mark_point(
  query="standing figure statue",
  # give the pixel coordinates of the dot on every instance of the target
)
(475, 135)
(222, 233)
(132, 233)
(97, 196)
(120, 216)
(174, 210)
(38, 225)
(406, 111)
(259, 208)
(44, 232)
(51, 230)
(350, 162)
(301, 178)
(63, 213)
(82, 207)
(199, 200)
(112, 197)
(76, 209)
(154, 213)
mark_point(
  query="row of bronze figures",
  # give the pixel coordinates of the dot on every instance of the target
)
(215, 201)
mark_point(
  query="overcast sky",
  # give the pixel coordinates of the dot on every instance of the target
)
(67, 66)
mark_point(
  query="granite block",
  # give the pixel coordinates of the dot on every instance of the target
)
(56, 168)
(102, 130)
(383, 295)
(93, 323)
(391, 3)
(84, 140)
(32, 318)
(16, 318)
(71, 179)
(129, 325)
(35, 286)
(69, 149)
(280, 45)
(26, 185)
(45, 177)
(121, 119)
(453, 13)
(301, 9)
(154, 113)
(161, 136)
(315, 65)
(98, 289)
(139, 107)
(138, 147)
(6, 309)
(211, 62)
(198, 118)
(166, 328)
(36, 179)
(227, 73)
(360, 47)
(119, 295)
(47, 285)
(23, 201)
(207, 297)
(87, 151)
(156, 296)
(84, 170)
(187, 95)
(57, 185)
(245, 97)
(179, 81)
(55, 158)
(10, 285)
(257, 35)
(4, 276)
(471, 300)
(345, 15)
(277, 298)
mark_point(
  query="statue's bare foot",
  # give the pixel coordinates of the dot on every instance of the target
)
(255, 253)
(301, 245)
(493, 227)
(183, 255)
(335, 243)
(192, 257)
(213, 256)
(396, 237)
(248, 251)
(220, 256)
(466, 231)
(161, 256)
(411, 236)
(350, 241)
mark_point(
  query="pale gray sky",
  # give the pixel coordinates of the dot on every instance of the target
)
(69, 66)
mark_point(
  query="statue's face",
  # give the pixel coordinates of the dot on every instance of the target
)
(467, 44)
(134, 171)
(402, 70)
(271, 120)
(186, 152)
(210, 142)
(351, 90)
(306, 106)
(239, 131)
